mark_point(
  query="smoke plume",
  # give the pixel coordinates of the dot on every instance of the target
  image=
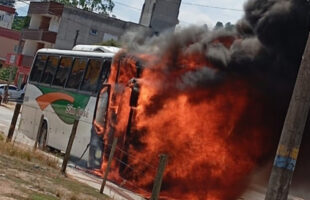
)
(213, 101)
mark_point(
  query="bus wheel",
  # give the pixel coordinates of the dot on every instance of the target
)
(43, 136)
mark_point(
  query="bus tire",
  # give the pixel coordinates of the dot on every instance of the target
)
(43, 136)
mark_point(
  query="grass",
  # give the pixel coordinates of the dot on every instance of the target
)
(38, 196)
(32, 175)
(25, 153)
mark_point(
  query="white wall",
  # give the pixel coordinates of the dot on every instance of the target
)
(30, 48)
(107, 36)
(35, 21)
(6, 19)
(93, 28)
(147, 11)
(54, 24)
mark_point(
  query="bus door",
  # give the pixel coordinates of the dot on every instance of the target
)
(117, 117)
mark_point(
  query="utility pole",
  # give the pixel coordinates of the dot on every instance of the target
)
(159, 177)
(69, 146)
(292, 132)
(76, 37)
(105, 178)
(39, 135)
(13, 122)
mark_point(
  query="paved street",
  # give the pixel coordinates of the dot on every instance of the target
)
(6, 114)
(5, 118)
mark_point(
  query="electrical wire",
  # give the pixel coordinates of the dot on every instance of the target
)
(127, 5)
(186, 3)
(210, 6)
(123, 151)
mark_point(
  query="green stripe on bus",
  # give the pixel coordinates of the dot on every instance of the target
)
(65, 110)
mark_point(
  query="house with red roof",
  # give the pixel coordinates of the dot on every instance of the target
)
(7, 15)
(8, 38)
(9, 41)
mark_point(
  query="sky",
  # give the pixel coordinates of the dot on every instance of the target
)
(196, 12)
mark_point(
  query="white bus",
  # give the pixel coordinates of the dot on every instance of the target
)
(63, 85)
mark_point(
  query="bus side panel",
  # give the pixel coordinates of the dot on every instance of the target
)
(81, 141)
(31, 113)
(27, 125)
(82, 138)
(57, 132)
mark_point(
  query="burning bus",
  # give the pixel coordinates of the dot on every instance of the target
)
(213, 101)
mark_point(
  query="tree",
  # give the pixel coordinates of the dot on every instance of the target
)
(7, 2)
(219, 25)
(101, 6)
(229, 26)
(110, 42)
(6, 71)
(20, 22)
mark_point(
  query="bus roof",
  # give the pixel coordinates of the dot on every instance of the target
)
(96, 48)
(75, 53)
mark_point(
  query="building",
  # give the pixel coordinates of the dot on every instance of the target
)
(9, 40)
(7, 15)
(160, 15)
(54, 25)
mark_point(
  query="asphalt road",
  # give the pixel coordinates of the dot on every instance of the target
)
(6, 114)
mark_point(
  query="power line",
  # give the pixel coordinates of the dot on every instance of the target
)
(126, 5)
(186, 3)
(209, 6)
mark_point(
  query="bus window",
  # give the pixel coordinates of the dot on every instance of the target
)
(63, 71)
(50, 69)
(106, 70)
(38, 68)
(91, 77)
(77, 73)
(101, 110)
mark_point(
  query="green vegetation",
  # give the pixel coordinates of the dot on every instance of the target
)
(5, 73)
(228, 26)
(101, 6)
(26, 154)
(110, 42)
(20, 22)
(42, 197)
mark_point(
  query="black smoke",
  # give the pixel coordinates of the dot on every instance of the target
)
(267, 48)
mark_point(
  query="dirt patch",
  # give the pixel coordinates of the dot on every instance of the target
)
(26, 176)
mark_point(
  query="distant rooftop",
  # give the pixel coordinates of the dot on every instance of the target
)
(8, 33)
(7, 9)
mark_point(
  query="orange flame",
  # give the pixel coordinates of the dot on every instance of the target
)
(213, 134)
